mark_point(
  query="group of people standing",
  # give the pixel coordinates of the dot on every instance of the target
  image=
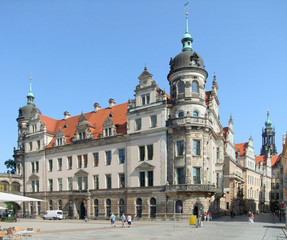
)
(124, 219)
(208, 216)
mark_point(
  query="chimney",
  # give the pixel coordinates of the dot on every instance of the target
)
(112, 103)
(97, 107)
(67, 115)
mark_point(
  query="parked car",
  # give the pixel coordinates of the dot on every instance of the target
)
(53, 214)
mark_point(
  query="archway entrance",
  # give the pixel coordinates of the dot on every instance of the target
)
(195, 211)
(82, 210)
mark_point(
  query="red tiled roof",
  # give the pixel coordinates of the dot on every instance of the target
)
(95, 120)
(242, 148)
(260, 158)
(263, 158)
(275, 159)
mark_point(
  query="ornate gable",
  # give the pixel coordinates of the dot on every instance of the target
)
(109, 128)
(60, 138)
(83, 129)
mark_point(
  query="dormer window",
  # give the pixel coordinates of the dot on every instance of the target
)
(145, 99)
(109, 128)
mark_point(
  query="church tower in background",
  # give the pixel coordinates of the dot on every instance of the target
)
(268, 138)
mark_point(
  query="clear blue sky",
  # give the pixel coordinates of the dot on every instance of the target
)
(85, 51)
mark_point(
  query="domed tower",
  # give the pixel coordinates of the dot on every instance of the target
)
(26, 113)
(193, 124)
(268, 138)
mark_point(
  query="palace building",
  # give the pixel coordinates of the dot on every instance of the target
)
(154, 155)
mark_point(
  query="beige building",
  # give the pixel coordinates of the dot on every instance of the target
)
(150, 157)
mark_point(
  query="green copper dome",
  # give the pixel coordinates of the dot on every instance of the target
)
(187, 39)
(268, 122)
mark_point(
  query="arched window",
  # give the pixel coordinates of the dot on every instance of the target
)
(152, 208)
(139, 207)
(96, 207)
(121, 206)
(4, 186)
(51, 204)
(195, 116)
(39, 208)
(178, 205)
(15, 187)
(31, 209)
(181, 114)
(194, 87)
(60, 205)
(108, 207)
(70, 209)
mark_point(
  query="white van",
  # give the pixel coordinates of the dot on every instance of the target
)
(53, 214)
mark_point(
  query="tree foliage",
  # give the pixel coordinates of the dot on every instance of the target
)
(11, 166)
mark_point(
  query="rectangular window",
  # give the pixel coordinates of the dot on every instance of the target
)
(80, 183)
(147, 99)
(108, 181)
(142, 153)
(60, 185)
(217, 154)
(138, 124)
(33, 167)
(150, 178)
(142, 179)
(30, 146)
(69, 162)
(96, 182)
(96, 159)
(79, 161)
(143, 100)
(150, 152)
(122, 156)
(153, 121)
(196, 175)
(38, 144)
(85, 183)
(50, 165)
(121, 180)
(50, 181)
(70, 183)
(85, 161)
(37, 166)
(35, 186)
(227, 205)
(108, 158)
(180, 148)
(180, 176)
(196, 147)
(59, 164)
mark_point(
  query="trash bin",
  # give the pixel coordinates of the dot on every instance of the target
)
(192, 220)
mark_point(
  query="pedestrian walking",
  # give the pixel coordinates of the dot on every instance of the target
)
(252, 217)
(123, 217)
(113, 220)
(205, 216)
(129, 219)
(210, 216)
